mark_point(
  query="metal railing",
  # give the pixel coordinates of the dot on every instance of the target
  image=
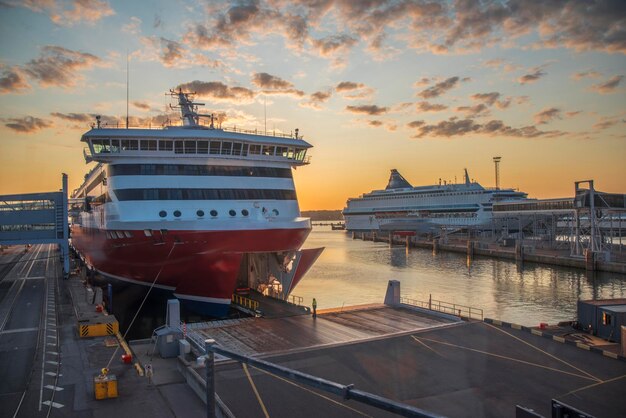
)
(446, 307)
(245, 302)
(296, 300)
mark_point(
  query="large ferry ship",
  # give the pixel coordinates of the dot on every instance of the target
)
(402, 207)
(193, 209)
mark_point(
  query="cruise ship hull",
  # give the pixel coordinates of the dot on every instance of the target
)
(200, 268)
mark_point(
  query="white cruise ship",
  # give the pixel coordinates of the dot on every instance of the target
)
(401, 207)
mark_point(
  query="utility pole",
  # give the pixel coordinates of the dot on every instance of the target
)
(496, 161)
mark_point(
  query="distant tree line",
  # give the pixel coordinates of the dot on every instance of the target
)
(323, 215)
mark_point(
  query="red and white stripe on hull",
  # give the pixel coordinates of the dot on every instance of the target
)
(197, 265)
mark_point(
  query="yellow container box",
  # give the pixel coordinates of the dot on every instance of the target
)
(105, 387)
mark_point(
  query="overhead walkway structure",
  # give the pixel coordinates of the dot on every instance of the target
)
(591, 221)
(36, 218)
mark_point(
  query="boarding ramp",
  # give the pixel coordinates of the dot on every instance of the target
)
(36, 218)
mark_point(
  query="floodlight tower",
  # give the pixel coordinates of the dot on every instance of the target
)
(496, 161)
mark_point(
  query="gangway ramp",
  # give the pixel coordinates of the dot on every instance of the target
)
(36, 218)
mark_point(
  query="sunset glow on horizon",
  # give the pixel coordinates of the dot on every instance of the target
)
(425, 87)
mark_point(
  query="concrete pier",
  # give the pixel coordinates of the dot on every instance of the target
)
(524, 253)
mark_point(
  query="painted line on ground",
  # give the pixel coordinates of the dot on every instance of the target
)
(557, 338)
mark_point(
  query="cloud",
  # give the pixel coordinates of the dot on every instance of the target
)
(354, 91)
(609, 86)
(219, 91)
(488, 98)
(547, 115)
(271, 84)
(531, 77)
(13, 80)
(268, 81)
(348, 86)
(133, 27)
(74, 117)
(460, 127)
(27, 125)
(59, 67)
(430, 107)
(480, 109)
(491, 99)
(573, 113)
(390, 126)
(367, 109)
(439, 88)
(335, 47)
(141, 105)
(607, 122)
(499, 63)
(67, 12)
(586, 74)
(81, 11)
(415, 124)
(316, 99)
(424, 81)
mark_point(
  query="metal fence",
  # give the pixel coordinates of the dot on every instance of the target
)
(446, 307)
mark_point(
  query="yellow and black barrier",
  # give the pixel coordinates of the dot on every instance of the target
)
(97, 326)
(245, 302)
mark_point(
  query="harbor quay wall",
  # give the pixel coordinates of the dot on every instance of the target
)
(477, 247)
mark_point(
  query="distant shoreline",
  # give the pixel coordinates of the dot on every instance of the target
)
(322, 215)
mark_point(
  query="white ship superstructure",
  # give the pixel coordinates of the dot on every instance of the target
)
(402, 207)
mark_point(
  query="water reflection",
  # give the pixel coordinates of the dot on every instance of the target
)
(354, 272)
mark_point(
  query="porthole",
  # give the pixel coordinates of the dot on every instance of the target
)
(245, 212)
(232, 212)
(163, 214)
(275, 212)
(177, 213)
(200, 213)
(213, 213)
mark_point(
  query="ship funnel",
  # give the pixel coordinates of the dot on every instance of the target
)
(396, 181)
(467, 180)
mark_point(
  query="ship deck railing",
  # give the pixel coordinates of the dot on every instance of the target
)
(203, 123)
(455, 309)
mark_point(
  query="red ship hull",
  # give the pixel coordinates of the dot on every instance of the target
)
(199, 267)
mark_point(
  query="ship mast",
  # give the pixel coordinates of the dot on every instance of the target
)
(189, 109)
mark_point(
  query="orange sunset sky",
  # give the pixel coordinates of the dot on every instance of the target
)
(426, 87)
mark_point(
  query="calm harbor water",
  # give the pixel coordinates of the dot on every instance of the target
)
(351, 272)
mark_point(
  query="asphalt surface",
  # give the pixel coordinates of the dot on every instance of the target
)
(20, 325)
(468, 370)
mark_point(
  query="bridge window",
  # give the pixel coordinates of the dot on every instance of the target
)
(268, 150)
(166, 145)
(236, 148)
(190, 147)
(226, 148)
(203, 147)
(129, 145)
(255, 149)
(215, 147)
(148, 145)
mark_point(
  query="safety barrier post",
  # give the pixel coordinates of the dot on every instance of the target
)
(210, 378)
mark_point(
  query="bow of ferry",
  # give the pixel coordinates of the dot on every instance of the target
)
(196, 210)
